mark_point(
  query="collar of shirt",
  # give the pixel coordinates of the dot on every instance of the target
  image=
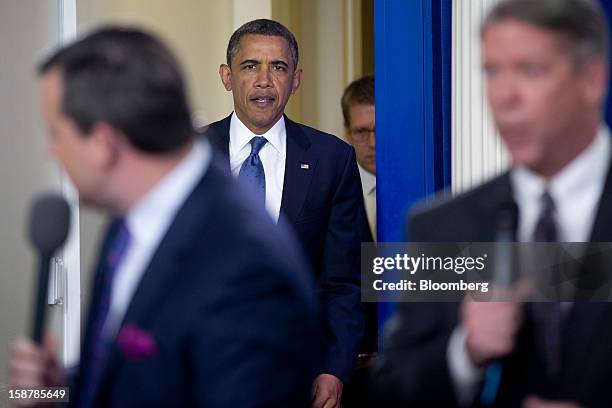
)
(273, 157)
(368, 181)
(368, 184)
(576, 191)
(148, 220)
(240, 136)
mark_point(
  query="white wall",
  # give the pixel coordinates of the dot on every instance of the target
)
(247, 10)
(323, 63)
(198, 32)
(27, 27)
(328, 34)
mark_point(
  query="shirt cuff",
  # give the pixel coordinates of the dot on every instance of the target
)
(464, 375)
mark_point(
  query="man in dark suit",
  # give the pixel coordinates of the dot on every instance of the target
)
(358, 112)
(198, 299)
(546, 68)
(304, 176)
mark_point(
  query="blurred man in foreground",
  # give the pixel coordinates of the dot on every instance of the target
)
(305, 177)
(546, 68)
(198, 299)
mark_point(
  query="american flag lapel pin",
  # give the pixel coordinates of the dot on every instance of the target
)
(304, 166)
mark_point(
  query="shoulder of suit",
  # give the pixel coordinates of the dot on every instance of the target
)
(323, 139)
(444, 203)
(211, 127)
(234, 223)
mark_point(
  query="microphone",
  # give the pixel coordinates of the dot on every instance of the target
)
(504, 274)
(48, 229)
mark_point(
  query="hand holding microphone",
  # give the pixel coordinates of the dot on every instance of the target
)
(491, 329)
(33, 363)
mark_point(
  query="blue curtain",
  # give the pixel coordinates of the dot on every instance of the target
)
(607, 6)
(412, 41)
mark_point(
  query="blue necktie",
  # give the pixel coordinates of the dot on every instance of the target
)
(252, 170)
(98, 344)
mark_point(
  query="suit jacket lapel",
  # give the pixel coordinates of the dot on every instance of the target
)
(86, 352)
(581, 325)
(484, 213)
(602, 227)
(218, 134)
(300, 162)
(300, 166)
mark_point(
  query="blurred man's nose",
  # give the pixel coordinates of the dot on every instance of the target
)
(504, 93)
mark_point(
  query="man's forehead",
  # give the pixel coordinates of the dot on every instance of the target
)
(258, 43)
(361, 108)
(516, 30)
(361, 113)
(52, 85)
(510, 38)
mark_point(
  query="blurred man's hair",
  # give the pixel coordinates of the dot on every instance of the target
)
(359, 92)
(126, 78)
(266, 27)
(581, 22)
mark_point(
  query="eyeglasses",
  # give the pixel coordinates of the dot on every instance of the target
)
(361, 134)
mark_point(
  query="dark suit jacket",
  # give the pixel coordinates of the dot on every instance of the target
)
(369, 343)
(324, 205)
(414, 370)
(230, 304)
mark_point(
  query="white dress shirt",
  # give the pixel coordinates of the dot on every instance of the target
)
(147, 222)
(576, 191)
(368, 185)
(273, 156)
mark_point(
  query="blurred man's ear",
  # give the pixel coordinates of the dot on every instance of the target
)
(105, 145)
(595, 79)
(225, 73)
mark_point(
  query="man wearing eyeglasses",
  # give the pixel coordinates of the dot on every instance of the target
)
(358, 112)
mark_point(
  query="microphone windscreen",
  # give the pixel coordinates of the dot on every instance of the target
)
(49, 223)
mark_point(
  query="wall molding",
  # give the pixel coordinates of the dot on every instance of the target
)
(71, 252)
(477, 150)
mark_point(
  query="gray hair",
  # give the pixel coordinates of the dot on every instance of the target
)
(581, 22)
